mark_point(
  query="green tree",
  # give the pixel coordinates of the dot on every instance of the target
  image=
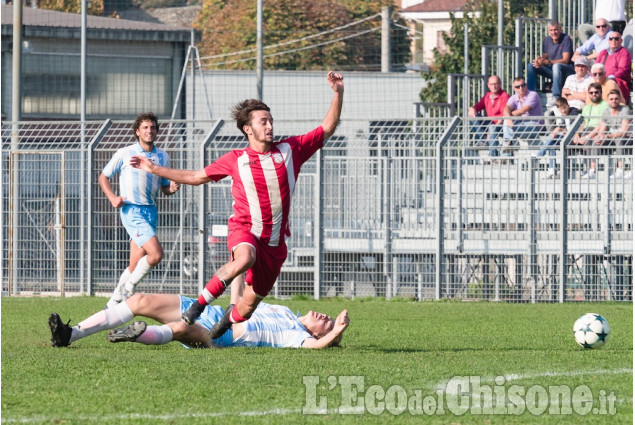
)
(95, 7)
(229, 27)
(481, 16)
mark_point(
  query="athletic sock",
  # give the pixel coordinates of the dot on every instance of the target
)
(155, 335)
(102, 320)
(138, 274)
(214, 289)
(235, 317)
(124, 277)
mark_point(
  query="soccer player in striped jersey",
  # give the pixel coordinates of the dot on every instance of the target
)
(263, 180)
(138, 191)
(270, 325)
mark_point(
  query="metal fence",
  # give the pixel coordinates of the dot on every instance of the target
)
(414, 207)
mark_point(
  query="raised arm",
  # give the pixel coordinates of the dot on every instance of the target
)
(341, 323)
(191, 177)
(333, 115)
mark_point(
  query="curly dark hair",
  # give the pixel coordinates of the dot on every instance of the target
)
(146, 116)
(242, 112)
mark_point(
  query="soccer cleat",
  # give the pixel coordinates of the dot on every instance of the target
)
(60, 332)
(128, 333)
(191, 314)
(223, 324)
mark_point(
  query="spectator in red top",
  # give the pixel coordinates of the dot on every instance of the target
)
(618, 63)
(493, 103)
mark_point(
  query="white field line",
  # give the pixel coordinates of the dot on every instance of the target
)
(282, 412)
(517, 377)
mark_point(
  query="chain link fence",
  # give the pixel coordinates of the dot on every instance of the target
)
(409, 208)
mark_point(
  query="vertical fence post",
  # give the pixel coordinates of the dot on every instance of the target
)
(89, 203)
(318, 230)
(202, 207)
(439, 204)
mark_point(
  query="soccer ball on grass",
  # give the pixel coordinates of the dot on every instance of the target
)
(591, 330)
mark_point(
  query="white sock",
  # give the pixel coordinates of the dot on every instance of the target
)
(138, 274)
(155, 335)
(124, 277)
(102, 320)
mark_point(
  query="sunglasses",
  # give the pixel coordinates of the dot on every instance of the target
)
(520, 86)
(595, 74)
(614, 38)
(594, 92)
(601, 26)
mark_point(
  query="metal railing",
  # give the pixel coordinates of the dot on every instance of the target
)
(421, 207)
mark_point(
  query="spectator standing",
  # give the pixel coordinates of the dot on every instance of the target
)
(555, 61)
(575, 87)
(493, 103)
(592, 114)
(523, 103)
(618, 63)
(598, 72)
(598, 42)
(612, 11)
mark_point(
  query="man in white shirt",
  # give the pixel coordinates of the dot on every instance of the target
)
(575, 86)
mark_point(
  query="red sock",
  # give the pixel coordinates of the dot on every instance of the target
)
(236, 317)
(214, 289)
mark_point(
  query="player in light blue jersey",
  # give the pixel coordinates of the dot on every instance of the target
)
(271, 325)
(138, 191)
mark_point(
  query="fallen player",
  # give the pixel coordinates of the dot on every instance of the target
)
(271, 325)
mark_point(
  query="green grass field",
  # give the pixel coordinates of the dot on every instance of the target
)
(403, 352)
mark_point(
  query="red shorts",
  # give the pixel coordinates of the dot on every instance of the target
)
(269, 260)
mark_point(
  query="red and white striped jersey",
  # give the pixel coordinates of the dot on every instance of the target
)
(263, 184)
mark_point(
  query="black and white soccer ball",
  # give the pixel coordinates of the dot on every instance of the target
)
(591, 330)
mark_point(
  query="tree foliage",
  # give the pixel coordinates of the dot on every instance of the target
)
(95, 7)
(289, 26)
(481, 16)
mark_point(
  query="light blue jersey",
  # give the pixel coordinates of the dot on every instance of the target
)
(272, 325)
(210, 315)
(136, 186)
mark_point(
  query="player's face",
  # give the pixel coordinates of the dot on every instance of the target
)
(319, 324)
(260, 127)
(147, 132)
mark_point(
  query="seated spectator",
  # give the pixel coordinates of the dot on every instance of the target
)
(557, 133)
(592, 114)
(598, 72)
(575, 87)
(493, 103)
(614, 129)
(555, 61)
(524, 103)
(598, 42)
(612, 11)
(618, 63)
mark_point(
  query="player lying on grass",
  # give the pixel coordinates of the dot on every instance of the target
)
(270, 326)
